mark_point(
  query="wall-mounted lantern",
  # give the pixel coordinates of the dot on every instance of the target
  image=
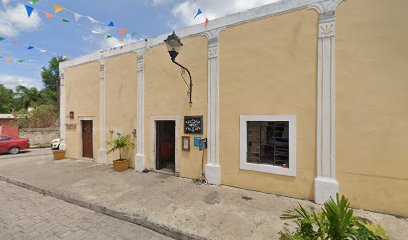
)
(71, 115)
(134, 133)
(174, 45)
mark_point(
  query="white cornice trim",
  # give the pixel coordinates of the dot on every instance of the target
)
(254, 14)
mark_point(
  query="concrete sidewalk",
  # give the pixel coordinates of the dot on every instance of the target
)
(170, 205)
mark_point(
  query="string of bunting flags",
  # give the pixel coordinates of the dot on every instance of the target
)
(76, 16)
(30, 7)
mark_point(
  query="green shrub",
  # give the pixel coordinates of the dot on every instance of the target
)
(120, 144)
(336, 221)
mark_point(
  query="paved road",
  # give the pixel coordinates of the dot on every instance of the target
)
(32, 152)
(27, 215)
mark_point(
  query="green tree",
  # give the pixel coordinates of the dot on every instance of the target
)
(51, 80)
(26, 97)
(6, 99)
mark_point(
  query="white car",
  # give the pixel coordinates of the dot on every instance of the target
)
(55, 143)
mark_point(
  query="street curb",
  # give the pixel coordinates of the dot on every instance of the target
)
(132, 218)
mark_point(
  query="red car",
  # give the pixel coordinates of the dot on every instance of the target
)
(13, 145)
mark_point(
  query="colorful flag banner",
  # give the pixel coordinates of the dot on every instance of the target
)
(58, 8)
(133, 34)
(9, 60)
(48, 15)
(206, 22)
(77, 16)
(198, 13)
(34, 1)
(65, 57)
(122, 31)
(108, 36)
(111, 24)
(30, 47)
(1, 39)
(20, 60)
(29, 10)
(65, 20)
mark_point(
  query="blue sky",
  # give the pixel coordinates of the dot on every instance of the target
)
(148, 18)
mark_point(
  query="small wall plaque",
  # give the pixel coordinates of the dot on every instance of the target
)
(193, 125)
(185, 143)
(70, 126)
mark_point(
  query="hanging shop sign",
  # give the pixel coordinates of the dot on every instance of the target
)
(193, 125)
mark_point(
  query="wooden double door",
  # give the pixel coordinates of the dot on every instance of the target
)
(87, 138)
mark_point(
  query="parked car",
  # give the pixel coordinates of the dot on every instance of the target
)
(55, 143)
(12, 144)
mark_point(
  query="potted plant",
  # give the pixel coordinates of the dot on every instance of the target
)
(58, 149)
(120, 144)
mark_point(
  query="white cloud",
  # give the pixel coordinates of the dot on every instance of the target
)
(160, 2)
(14, 20)
(185, 10)
(12, 81)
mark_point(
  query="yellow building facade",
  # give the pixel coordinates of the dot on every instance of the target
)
(298, 98)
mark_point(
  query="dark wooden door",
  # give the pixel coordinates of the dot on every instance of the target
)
(165, 145)
(87, 141)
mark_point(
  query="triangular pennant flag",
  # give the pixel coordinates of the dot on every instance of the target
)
(122, 31)
(42, 50)
(206, 22)
(30, 47)
(65, 57)
(95, 32)
(58, 8)
(108, 36)
(111, 24)
(198, 13)
(122, 40)
(92, 20)
(133, 34)
(77, 16)
(1, 39)
(20, 60)
(65, 20)
(48, 15)
(9, 60)
(34, 1)
(29, 10)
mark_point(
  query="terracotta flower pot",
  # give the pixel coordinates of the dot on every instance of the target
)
(121, 165)
(58, 154)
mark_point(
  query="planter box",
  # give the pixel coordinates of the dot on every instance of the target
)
(121, 165)
(58, 154)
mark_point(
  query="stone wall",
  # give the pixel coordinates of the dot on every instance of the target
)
(39, 136)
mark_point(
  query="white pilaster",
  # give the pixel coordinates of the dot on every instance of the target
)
(102, 112)
(326, 185)
(62, 108)
(140, 157)
(213, 169)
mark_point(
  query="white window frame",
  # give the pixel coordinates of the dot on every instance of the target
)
(267, 168)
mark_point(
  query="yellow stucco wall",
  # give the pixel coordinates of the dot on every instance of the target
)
(268, 67)
(121, 100)
(372, 98)
(81, 97)
(166, 95)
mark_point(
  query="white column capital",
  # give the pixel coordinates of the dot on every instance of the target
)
(327, 6)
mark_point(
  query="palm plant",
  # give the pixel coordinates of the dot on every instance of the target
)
(120, 144)
(336, 221)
